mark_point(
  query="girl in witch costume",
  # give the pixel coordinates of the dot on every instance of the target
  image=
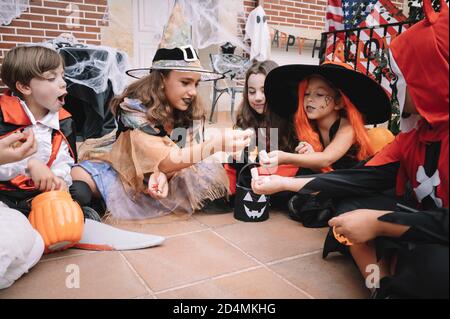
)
(330, 104)
(144, 173)
(405, 236)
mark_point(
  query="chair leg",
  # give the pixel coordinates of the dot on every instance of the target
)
(233, 98)
(213, 106)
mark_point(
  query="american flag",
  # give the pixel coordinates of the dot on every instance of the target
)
(347, 14)
(368, 14)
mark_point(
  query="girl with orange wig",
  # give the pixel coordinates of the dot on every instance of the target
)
(328, 124)
(329, 105)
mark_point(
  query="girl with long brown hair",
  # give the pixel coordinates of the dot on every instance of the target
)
(156, 163)
(252, 110)
(253, 114)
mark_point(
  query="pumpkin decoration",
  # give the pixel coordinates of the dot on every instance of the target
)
(379, 138)
(341, 238)
(58, 219)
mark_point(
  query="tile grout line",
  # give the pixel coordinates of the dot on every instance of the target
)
(147, 288)
(210, 229)
(270, 263)
(290, 283)
(187, 233)
(198, 282)
(264, 266)
(69, 256)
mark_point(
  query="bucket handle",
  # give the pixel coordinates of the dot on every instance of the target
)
(239, 180)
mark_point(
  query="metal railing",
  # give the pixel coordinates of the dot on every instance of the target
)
(372, 47)
(366, 50)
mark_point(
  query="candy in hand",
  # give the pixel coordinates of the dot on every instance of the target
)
(155, 188)
(254, 172)
(253, 154)
(21, 141)
(263, 156)
(341, 238)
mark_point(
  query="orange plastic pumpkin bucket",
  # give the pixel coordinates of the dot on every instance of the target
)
(379, 138)
(58, 219)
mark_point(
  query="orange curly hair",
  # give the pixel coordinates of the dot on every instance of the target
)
(306, 132)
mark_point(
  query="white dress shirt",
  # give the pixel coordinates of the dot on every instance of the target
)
(43, 130)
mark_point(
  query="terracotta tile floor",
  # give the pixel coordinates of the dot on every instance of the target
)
(205, 256)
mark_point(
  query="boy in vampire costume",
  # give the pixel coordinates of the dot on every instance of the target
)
(405, 236)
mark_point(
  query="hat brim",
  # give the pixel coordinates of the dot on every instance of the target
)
(281, 90)
(206, 75)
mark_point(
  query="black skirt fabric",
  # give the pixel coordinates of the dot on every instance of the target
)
(422, 252)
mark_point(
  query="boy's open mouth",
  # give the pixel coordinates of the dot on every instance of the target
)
(61, 98)
(310, 108)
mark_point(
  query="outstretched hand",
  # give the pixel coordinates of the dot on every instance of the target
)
(274, 159)
(267, 185)
(230, 141)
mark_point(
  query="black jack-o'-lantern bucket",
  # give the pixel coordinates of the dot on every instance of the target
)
(248, 206)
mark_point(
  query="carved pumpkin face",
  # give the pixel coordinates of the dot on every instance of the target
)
(255, 206)
(58, 219)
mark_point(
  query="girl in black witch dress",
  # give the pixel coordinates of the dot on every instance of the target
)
(329, 117)
(404, 238)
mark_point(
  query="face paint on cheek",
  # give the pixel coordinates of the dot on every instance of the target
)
(323, 107)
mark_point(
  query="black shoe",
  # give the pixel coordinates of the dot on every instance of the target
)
(90, 213)
(384, 291)
(218, 206)
(310, 210)
(294, 206)
(378, 294)
(280, 201)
